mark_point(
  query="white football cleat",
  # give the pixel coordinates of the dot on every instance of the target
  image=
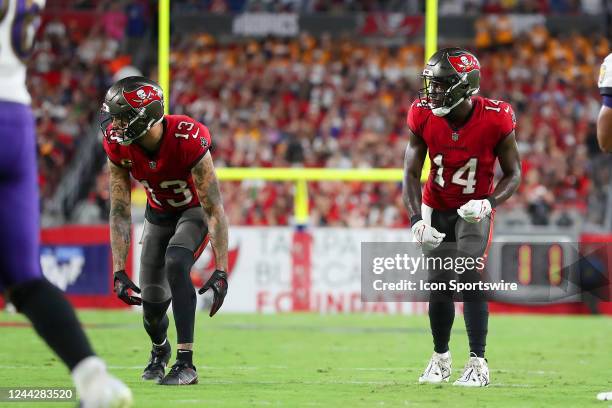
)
(97, 388)
(605, 396)
(438, 370)
(475, 373)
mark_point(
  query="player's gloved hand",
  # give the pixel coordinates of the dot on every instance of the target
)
(218, 283)
(427, 236)
(122, 285)
(475, 210)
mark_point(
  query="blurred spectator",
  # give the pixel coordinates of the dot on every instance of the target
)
(100, 196)
(137, 19)
(114, 22)
(538, 197)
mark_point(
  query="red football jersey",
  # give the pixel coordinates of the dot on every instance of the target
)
(462, 160)
(166, 175)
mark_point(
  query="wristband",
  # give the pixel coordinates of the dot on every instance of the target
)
(415, 218)
(493, 201)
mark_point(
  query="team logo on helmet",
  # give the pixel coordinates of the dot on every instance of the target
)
(142, 96)
(464, 63)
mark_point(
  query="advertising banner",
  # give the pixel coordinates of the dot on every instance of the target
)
(78, 260)
(277, 270)
(320, 270)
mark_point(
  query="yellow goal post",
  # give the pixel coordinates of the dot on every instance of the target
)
(299, 176)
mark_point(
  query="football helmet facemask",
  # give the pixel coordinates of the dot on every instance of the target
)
(450, 76)
(131, 107)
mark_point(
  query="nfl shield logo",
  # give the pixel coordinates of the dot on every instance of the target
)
(455, 136)
(152, 164)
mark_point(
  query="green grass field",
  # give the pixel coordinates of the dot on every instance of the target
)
(335, 361)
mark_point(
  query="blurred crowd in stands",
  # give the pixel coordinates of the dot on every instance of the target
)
(318, 102)
(446, 7)
(324, 103)
(76, 55)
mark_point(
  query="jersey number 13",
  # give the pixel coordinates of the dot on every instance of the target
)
(182, 189)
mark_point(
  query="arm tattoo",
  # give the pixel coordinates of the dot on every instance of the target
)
(120, 215)
(207, 186)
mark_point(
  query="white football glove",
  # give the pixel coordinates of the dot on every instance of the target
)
(426, 236)
(475, 210)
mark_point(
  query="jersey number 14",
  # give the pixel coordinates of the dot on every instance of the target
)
(465, 176)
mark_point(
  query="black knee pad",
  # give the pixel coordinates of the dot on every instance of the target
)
(178, 263)
(154, 313)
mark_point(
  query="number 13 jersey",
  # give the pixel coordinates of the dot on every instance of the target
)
(166, 174)
(462, 160)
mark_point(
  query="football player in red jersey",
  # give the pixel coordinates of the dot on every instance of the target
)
(169, 155)
(465, 135)
(604, 133)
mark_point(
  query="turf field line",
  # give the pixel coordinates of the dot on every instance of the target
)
(325, 329)
(204, 367)
(282, 367)
(373, 368)
(304, 382)
(343, 382)
(250, 402)
(140, 367)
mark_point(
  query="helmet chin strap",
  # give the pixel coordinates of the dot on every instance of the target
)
(445, 110)
(144, 132)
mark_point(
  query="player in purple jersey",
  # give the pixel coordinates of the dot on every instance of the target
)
(21, 278)
(604, 133)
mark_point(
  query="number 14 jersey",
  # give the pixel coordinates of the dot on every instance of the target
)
(462, 160)
(166, 174)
